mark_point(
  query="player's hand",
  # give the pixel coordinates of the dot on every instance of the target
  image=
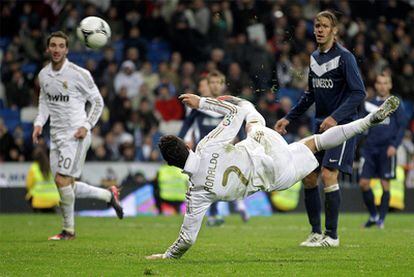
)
(156, 257)
(37, 131)
(391, 151)
(280, 126)
(327, 123)
(191, 100)
(81, 133)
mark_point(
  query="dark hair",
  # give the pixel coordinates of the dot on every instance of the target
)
(329, 15)
(173, 150)
(58, 34)
(40, 156)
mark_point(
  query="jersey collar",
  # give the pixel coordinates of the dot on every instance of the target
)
(192, 163)
(326, 51)
(59, 72)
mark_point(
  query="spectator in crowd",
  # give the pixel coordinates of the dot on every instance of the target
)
(6, 142)
(129, 78)
(169, 107)
(237, 79)
(17, 91)
(150, 78)
(108, 58)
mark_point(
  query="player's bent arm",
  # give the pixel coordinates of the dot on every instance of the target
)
(89, 89)
(356, 89)
(252, 116)
(43, 111)
(230, 125)
(197, 204)
(305, 101)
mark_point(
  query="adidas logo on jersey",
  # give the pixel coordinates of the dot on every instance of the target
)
(57, 97)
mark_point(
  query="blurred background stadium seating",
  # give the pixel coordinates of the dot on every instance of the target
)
(262, 47)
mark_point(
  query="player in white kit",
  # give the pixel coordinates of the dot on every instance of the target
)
(219, 170)
(65, 89)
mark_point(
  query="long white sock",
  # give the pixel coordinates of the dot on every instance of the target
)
(67, 204)
(83, 190)
(338, 134)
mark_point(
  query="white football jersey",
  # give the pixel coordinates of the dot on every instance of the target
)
(63, 97)
(219, 170)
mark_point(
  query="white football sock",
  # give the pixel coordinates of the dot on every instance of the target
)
(83, 190)
(67, 204)
(241, 207)
(339, 134)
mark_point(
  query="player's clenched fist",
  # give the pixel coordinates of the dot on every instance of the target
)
(280, 126)
(191, 100)
(81, 133)
(37, 131)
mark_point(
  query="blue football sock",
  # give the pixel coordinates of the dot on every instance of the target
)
(332, 203)
(313, 208)
(385, 201)
(213, 209)
(368, 197)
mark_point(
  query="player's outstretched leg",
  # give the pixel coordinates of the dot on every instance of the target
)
(111, 196)
(115, 203)
(338, 134)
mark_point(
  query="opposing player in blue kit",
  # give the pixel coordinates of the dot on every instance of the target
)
(378, 154)
(336, 88)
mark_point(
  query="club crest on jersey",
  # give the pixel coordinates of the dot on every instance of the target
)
(228, 119)
(65, 84)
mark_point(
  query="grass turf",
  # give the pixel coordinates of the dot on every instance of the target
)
(263, 246)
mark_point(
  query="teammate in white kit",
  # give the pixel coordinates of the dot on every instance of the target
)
(219, 170)
(65, 89)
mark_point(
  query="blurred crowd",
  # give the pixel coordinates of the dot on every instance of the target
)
(160, 49)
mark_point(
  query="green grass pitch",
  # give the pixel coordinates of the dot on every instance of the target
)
(264, 246)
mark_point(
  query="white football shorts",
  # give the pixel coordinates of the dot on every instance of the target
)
(292, 162)
(68, 154)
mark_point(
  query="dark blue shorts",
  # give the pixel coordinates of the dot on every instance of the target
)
(340, 157)
(376, 164)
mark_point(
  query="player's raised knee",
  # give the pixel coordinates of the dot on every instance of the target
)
(62, 181)
(310, 181)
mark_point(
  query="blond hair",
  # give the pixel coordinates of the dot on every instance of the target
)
(329, 15)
